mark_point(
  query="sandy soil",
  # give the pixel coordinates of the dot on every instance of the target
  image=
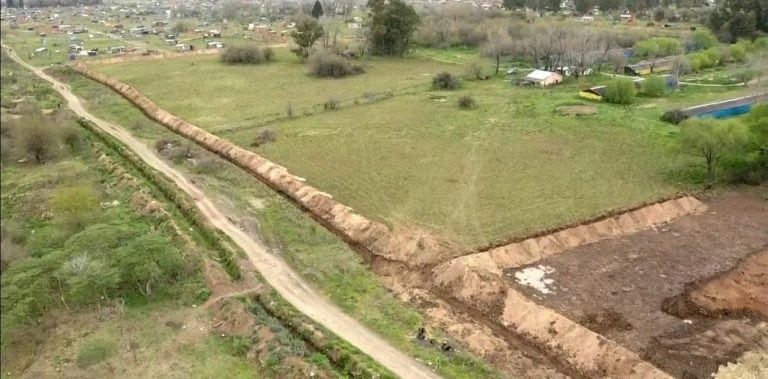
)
(617, 287)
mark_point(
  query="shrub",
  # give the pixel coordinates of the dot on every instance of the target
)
(269, 54)
(206, 165)
(655, 86)
(445, 81)
(247, 54)
(94, 351)
(674, 116)
(162, 144)
(331, 104)
(71, 137)
(326, 65)
(38, 138)
(475, 70)
(620, 91)
(264, 136)
(704, 40)
(467, 102)
(179, 152)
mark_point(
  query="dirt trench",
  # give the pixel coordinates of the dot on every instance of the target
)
(415, 259)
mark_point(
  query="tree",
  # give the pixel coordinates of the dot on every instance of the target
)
(317, 10)
(73, 205)
(181, 27)
(497, 45)
(757, 121)
(742, 24)
(744, 76)
(307, 31)
(392, 26)
(584, 6)
(620, 91)
(648, 49)
(609, 5)
(712, 140)
(513, 4)
(38, 137)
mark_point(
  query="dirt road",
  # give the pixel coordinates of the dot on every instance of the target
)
(274, 270)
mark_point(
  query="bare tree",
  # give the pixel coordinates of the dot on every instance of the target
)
(497, 45)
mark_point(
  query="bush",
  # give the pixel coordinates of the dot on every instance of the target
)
(467, 102)
(654, 86)
(247, 54)
(38, 138)
(94, 351)
(704, 40)
(475, 70)
(445, 81)
(331, 104)
(326, 65)
(264, 136)
(674, 116)
(620, 91)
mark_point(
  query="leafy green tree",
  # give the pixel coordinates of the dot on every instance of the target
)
(513, 4)
(148, 262)
(609, 5)
(712, 140)
(584, 6)
(307, 32)
(703, 40)
(742, 24)
(744, 76)
(181, 27)
(620, 91)
(757, 121)
(654, 86)
(392, 26)
(87, 280)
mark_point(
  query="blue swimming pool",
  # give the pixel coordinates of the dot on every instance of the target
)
(727, 112)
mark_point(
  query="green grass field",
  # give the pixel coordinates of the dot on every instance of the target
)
(217, 96)
(509, 168)
(317, 254)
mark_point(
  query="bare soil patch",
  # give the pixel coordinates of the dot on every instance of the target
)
(576, 110)
(632, 276)
(742, 290)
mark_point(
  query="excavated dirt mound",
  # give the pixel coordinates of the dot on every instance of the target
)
(534, 249)
(742, 290)
(745, 288)
(634, 275)
(576, 110)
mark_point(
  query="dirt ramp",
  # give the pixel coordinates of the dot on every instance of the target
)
(535, 249)
(743, 290)
(412, 247)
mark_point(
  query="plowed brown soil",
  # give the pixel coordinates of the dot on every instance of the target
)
(634, 275)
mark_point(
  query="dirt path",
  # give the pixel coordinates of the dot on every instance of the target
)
(274, 270)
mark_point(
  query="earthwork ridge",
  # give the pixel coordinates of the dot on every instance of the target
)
(473, 280)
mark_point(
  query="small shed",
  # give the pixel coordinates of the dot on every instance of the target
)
(544, 78)
(215, 45)
(644, 67)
